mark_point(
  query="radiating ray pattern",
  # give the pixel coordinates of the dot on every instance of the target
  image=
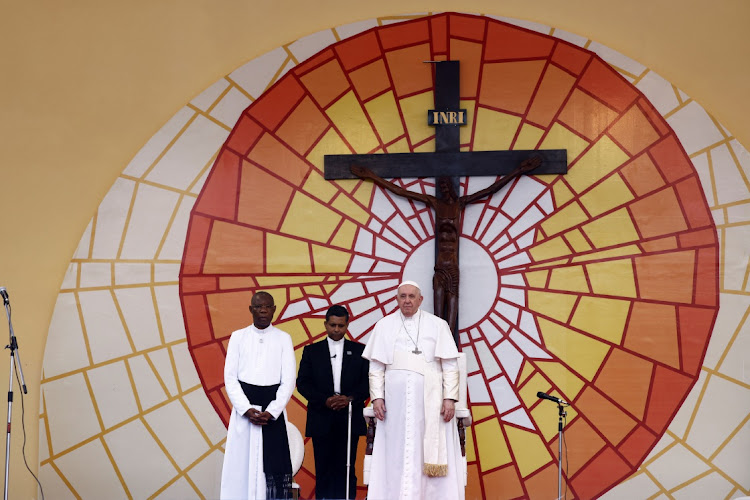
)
(603, 275)
(563, 278)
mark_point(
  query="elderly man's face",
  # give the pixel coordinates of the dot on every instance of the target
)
(409, 299)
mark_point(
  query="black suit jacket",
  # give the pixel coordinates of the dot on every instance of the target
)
(315, 382)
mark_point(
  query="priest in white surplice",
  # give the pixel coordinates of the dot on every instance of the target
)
(414, 386)
(259, 375)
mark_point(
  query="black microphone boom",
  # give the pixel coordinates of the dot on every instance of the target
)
(544, 395)
(4, 295)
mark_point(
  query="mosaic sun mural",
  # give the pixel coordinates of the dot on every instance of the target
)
(601, 286)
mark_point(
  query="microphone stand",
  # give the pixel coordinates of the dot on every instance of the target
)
(561, 415)
(14, 354)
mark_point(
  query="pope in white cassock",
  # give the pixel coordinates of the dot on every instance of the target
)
(414, 386)
(259, 376)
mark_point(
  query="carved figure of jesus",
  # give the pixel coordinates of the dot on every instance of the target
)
(448, 211)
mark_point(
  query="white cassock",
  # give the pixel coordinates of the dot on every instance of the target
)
(403, 451)
(258, 357)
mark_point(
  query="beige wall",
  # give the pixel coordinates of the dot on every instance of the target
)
(84, 86)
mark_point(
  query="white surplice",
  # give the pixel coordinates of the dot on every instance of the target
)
(396, 470)
(258, 357)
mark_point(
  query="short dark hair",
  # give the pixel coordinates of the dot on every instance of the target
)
(339, 311)
(262, 294)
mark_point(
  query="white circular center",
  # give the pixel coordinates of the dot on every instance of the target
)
(477, 286)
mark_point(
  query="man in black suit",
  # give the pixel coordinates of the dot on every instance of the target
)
(332, 372)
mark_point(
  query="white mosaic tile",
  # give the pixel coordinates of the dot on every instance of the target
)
(231, 106)
(192, 151)
(665, 472)
(113, 393)
(148, 389)
(206, 474)
(255, 76)
(309, 45)
(178, 433)
(66, 349)
(156, 145)
(730, 185)
(170, 312)
(723, 407)
(96, 274)
(151, 470)
(110, 219)
(174, 244)
(152, 210)
(106, 335)
(208, 97)
(97, 477)
(694, 127)
(713, 485)
(70, 412)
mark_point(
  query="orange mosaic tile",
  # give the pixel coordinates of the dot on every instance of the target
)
(192, 284)
(251, 259)
(570, 57)
(695, 327)
(502, 483)
(658, 214)
(553, 89)
(522, 78)
(652, 332)
(209, 360)
(623, 378)
(409, 72)
(641, 175)
(313, 62)
(610, 420)
(605, 83)
(220, 405)
(660, 244)
(653, 116)
(439, 34)
(219, 199)
(671, 159)
(583, 444)
(324, 84)
(637, 445)
(302, 140)
(403, 34)
(666, 277)
(358, 50)
(706, 274)
(468, 27)
(470, 55)
(370, 80)
(693, 202)
(669, 387)
(701, 237)
(276, 157)
(633, 131)
(195, 244)
(277, 102)
(586, 115)
(598, 476)
(511, 42)
(244, 135)
(257, 185)
(543, 484)
(196, 315)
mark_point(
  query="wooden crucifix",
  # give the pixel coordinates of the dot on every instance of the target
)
(447, 163)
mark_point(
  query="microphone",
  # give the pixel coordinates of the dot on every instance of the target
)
(4, 295)
(544, 395)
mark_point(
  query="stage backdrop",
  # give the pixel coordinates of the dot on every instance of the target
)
(602, 286)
